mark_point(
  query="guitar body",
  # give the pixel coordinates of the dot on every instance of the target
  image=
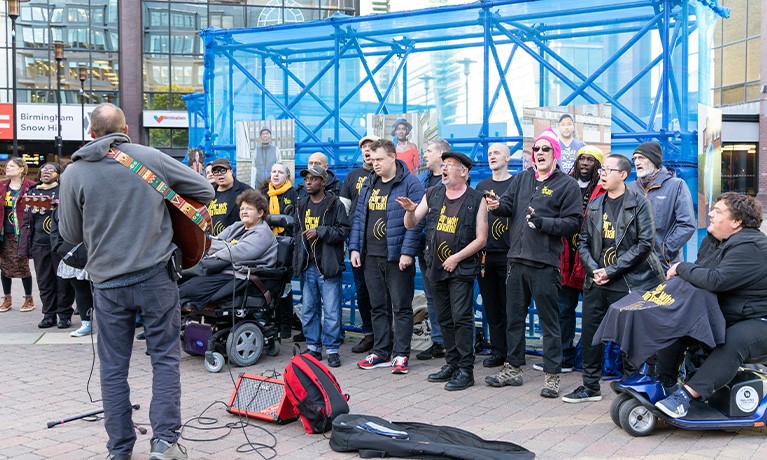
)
(190, 238)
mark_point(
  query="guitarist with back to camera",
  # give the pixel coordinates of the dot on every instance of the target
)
(112, 200)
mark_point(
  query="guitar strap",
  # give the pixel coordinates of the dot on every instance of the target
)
(162, 188)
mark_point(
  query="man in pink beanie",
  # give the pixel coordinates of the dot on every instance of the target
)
(544, 205)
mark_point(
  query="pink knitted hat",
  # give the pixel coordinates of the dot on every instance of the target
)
(552, 137)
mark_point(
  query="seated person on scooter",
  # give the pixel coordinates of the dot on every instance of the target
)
(248, 241)
(732, 263)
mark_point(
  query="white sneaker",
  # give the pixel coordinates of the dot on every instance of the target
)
(86, 328)
(565, 370)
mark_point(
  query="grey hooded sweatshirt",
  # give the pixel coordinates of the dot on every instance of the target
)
(118, 216)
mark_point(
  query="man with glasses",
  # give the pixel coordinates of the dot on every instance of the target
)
(616, 248)
(223, 209)
(671, 201)
(544, 204)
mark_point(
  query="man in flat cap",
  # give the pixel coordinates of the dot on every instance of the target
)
(456, 231)
(671, 202)
(223, 209)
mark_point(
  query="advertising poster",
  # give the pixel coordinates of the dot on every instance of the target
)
(409, 132)
(709, 160)
(260, 144)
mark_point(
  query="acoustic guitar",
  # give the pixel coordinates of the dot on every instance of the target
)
(192, 239)
(39, 204)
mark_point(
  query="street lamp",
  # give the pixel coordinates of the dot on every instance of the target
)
(58, 54)
(13, 13)
(466, 71)
(426, 83)
(82, 72)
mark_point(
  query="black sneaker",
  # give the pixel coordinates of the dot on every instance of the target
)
(436, 350)
(582, 394)
(493, 361)
(444, 375)
(315, 354)
(119, 456)
(46, 323)
(64, 324)
(141, 336)
(461, 380)
(286, 332)
(164, 450)
(334, 360)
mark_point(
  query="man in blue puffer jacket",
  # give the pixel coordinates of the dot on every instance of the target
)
(379, 235)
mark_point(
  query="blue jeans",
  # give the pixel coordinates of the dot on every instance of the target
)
(321, 302)
(436, 329)
(115, 312)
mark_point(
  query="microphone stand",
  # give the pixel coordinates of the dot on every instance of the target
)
(53, 423)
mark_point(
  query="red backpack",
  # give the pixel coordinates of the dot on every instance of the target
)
(315, 392)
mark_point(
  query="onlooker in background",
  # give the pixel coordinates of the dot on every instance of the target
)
(263, 157)
(544, 205)
(321, 230)
(586, 172)
(406, 151)
(616, 248)
(492, 279)
(209, 175)
(12, 265)
(56, 294)
(430, 178)
(671, 202)
(379, 232)
(568, 144)
(456, 226)
(282, 200)
(350, 192)
(332, 185)
(224, 210)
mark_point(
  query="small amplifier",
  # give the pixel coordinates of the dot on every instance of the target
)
(262, 398)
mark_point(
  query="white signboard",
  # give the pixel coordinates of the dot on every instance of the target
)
(39, 122)
(165, 119)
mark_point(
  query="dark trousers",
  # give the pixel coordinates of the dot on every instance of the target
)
(596, 302)
(436, 329)
(523, 284)
(453, 300)
(56, 294)
(115, 311)
(391, 307)
(568, 303)
(745, 341)
(83, 297)
(363, 300)
(492, 286)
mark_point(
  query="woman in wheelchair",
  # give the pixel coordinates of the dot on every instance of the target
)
(732, 263)
(248, 243)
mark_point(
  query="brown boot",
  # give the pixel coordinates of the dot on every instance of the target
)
(29, 304)
(7, 304)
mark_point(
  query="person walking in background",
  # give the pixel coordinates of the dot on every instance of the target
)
(12, 265)
(56, 294)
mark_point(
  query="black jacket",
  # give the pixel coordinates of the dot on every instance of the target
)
(636, 260)
(74, 255)
(736, 270)
(557, 200)
(332, 185)
(332, 231)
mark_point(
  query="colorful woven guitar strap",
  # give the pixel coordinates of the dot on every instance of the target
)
(145, 173)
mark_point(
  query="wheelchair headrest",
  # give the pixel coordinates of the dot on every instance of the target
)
(279, 220)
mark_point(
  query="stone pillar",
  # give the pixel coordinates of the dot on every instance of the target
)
(131, 84)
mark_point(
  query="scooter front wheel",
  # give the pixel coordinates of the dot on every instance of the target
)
(636, 419)
(615, 408)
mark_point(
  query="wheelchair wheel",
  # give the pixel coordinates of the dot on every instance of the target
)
(245, 344)
(615, 408)
(274, 347)
(636, 419)
(215, 363)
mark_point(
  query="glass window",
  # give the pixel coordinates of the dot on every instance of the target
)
(753, 92)
(733, 95)
(754, 17)
(733, 63)
(753, 48)
(734, 27)
(159, 137)
(739, 168)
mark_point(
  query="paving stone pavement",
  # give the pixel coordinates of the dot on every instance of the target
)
(46, 375)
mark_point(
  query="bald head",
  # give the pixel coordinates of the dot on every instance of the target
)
(107, 119)
(318, 158)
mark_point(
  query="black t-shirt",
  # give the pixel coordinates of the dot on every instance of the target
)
(42, 219)
(610, 211)
(352, 186)
(312, 220)
(444, 237)
(223, 210)
(498, 237)
(375, 231)
(434, 180)
(10, 217)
